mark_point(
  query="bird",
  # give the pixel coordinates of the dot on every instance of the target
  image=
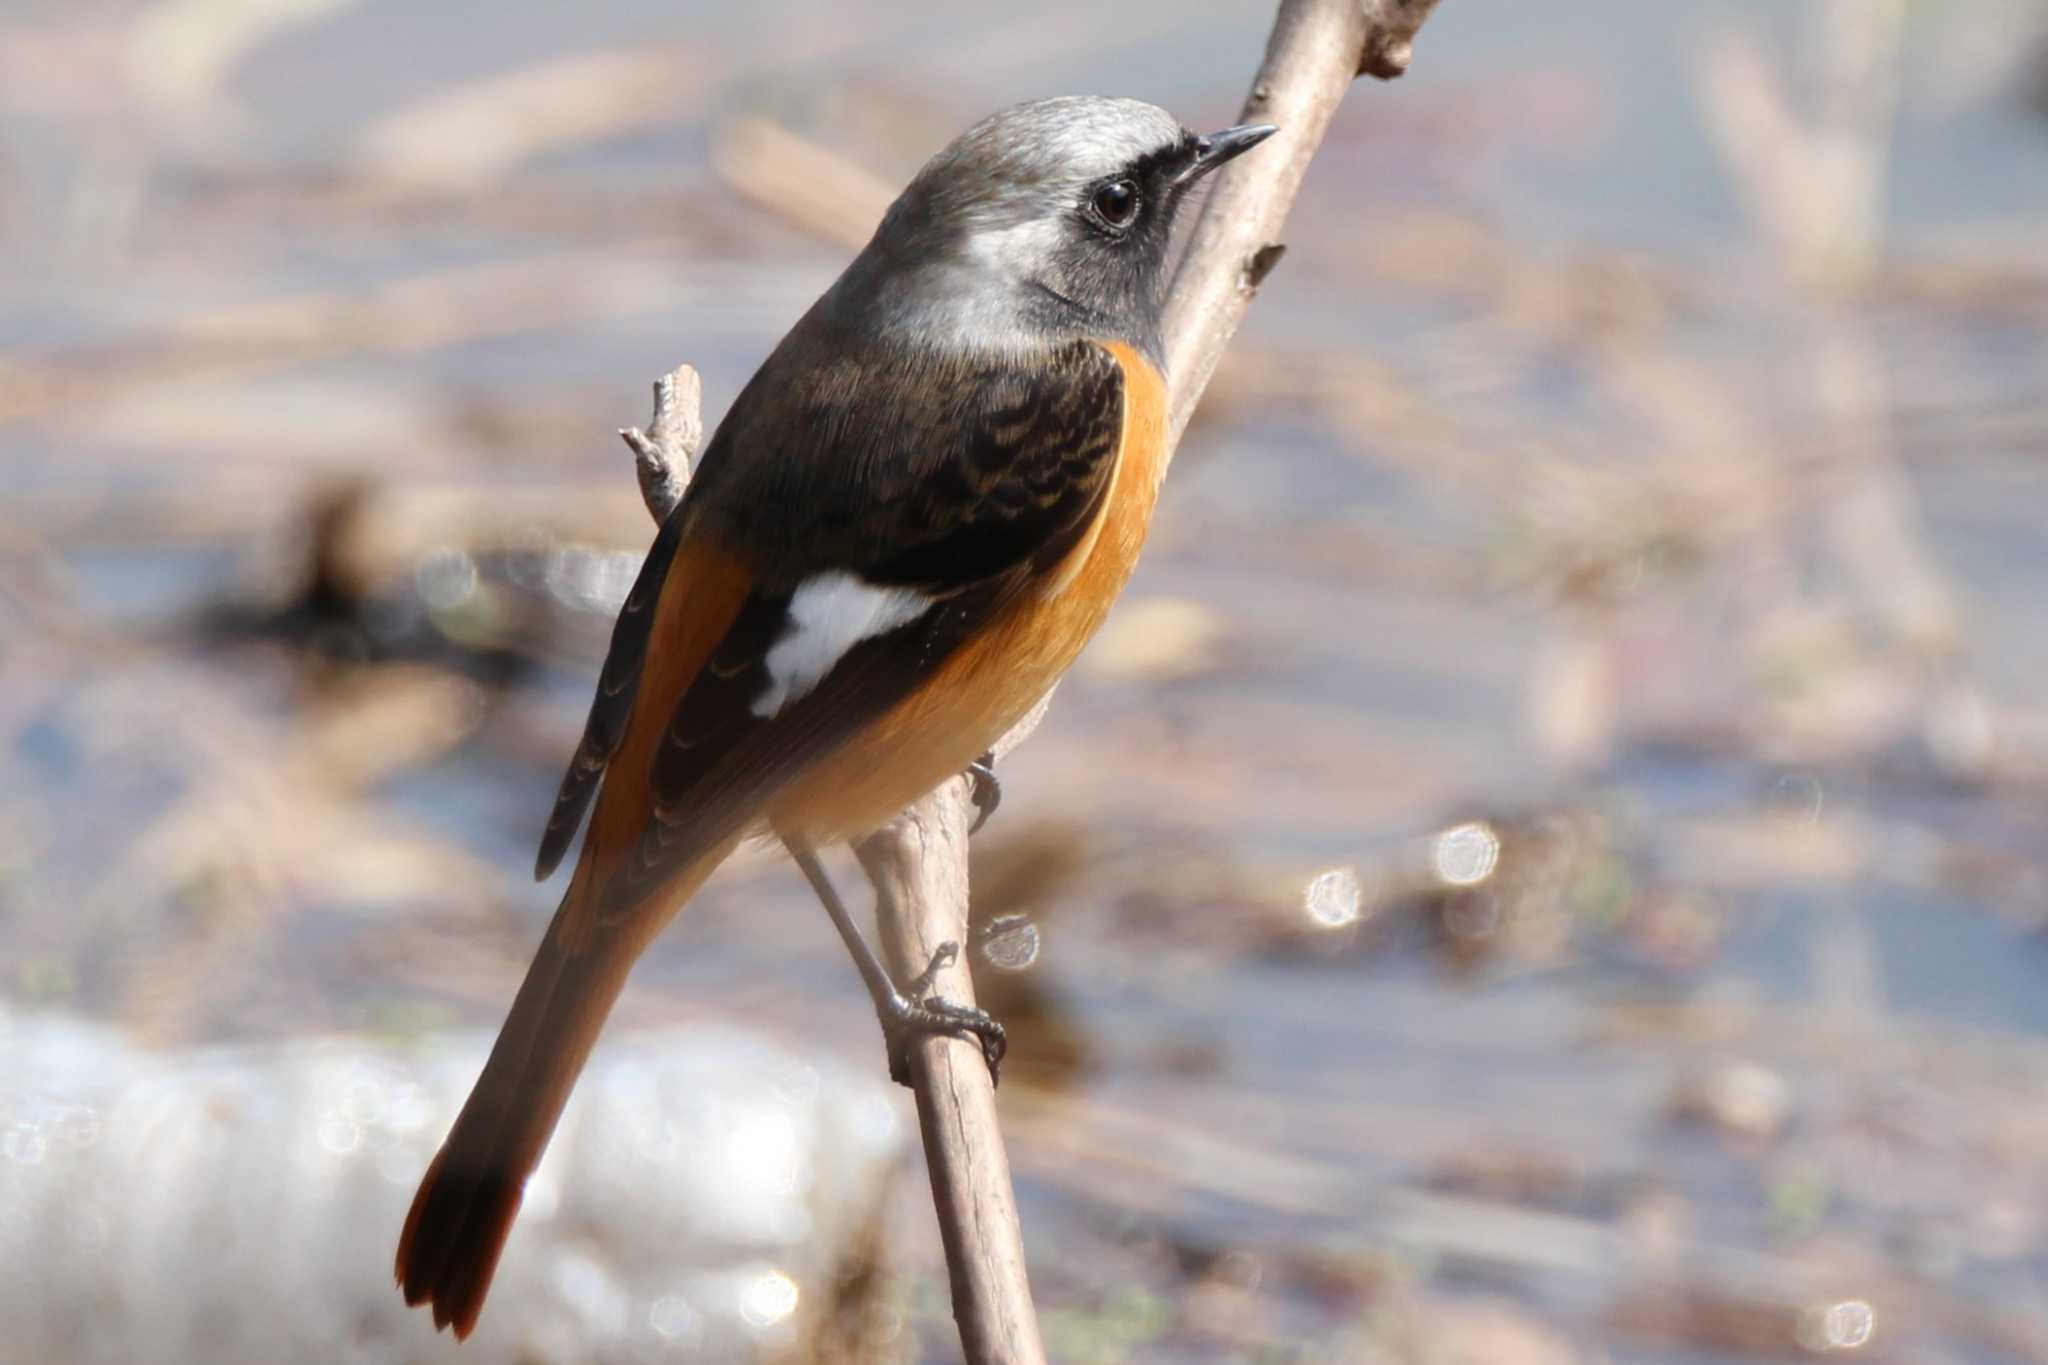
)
(906, 527)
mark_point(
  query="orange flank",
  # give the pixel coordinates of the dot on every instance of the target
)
(701, 596)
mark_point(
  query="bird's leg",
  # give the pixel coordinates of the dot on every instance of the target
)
(904, 1013)
(988, 793)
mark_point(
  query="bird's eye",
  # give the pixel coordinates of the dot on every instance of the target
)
(1116, 203)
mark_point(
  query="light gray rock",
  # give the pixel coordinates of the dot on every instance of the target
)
(242, 1204)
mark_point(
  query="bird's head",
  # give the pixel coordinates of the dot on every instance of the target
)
(1063, 205)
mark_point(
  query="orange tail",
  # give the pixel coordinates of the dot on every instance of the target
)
(471, 1193)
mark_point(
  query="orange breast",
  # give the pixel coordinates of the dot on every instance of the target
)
(988, 685)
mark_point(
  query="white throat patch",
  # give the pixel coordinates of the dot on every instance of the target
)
(829, 614)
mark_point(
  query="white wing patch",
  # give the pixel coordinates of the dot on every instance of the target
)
(829, 614)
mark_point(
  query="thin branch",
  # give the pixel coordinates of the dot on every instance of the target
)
(918, 862)
(1316, 49)
(918, 865)
(663, 454)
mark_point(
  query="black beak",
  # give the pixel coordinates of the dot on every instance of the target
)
(1212, 151)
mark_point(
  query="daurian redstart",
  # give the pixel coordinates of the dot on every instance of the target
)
(912, 519)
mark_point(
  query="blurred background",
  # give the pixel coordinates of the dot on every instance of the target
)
(1547, 864)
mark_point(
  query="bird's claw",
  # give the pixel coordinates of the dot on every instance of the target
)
(915, 1013)
(988, 792)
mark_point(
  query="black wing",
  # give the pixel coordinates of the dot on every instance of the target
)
(962, 482)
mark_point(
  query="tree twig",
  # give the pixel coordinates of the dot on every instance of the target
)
(918, 865)
(1316, 49)
(918, 862)
(664, 452)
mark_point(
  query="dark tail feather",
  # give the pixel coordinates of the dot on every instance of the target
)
(471, 1193)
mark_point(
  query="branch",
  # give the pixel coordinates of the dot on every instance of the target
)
(662, 454)
(918, 865)
(1316, 49)
(918, 862)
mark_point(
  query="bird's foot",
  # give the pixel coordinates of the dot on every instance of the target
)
(915, 1013)
(988, 793)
